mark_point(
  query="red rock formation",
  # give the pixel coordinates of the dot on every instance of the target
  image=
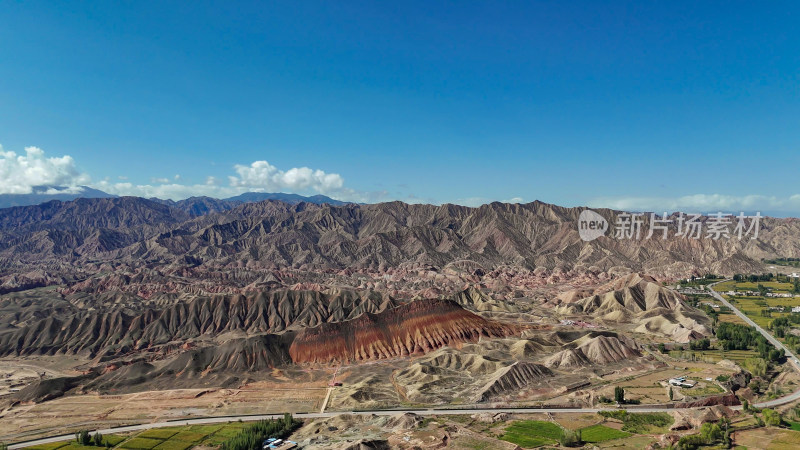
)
(725, 400)
(416, 327)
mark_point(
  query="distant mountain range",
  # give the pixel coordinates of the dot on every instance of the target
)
(239, 247)
(42, 194)
(195, 206)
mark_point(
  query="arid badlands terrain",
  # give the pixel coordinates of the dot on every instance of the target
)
(126, 310)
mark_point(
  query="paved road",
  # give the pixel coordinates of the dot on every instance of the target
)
(423, 412)
(791, 357)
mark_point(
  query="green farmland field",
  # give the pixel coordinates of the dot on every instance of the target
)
(533, 433)
(601, 433)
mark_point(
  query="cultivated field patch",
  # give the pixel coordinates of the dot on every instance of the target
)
(601, 433)
(533, 433)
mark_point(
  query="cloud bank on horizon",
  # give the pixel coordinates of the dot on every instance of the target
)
(24, 173)
(702, 203)
(19, 174)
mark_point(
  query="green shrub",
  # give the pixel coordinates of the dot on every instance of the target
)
(772, 417)
(691, 442)
(756, 366)
(710, 432)
(571, 438)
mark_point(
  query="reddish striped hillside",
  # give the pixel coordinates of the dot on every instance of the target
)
(415, 327)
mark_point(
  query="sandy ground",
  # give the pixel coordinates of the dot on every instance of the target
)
(15, 374)
(370, 383)
(70, 413)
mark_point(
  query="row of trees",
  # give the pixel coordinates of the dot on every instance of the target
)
(252, 436)
(769, 416)
(734, 336)
(753, 278)
(700, 344)
(84, 438)
(768, 277)
(781, 327)
(794, 262)
(710, 434)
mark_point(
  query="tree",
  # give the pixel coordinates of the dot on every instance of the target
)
(691, 441)
(83, 437)
(710, 432)
(724, 423)
(670, 394)
(745, 405)
(700, 344)
(98, 439)
(662, 348)
(775, 355)
(251, 436)
(772, 417)
(571, 438)
(619, 395)
(756, 366)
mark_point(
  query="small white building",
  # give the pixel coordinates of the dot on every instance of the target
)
(682, 382)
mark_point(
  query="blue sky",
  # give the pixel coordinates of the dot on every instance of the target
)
(625, 104)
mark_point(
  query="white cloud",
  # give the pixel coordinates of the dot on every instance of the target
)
(260, 176)
(700, 203)
(474, 202)
(172, 191)
(263, 176)
(19, 174)
(61, 190)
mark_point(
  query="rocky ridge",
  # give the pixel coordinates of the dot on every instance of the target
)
(416, 327)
